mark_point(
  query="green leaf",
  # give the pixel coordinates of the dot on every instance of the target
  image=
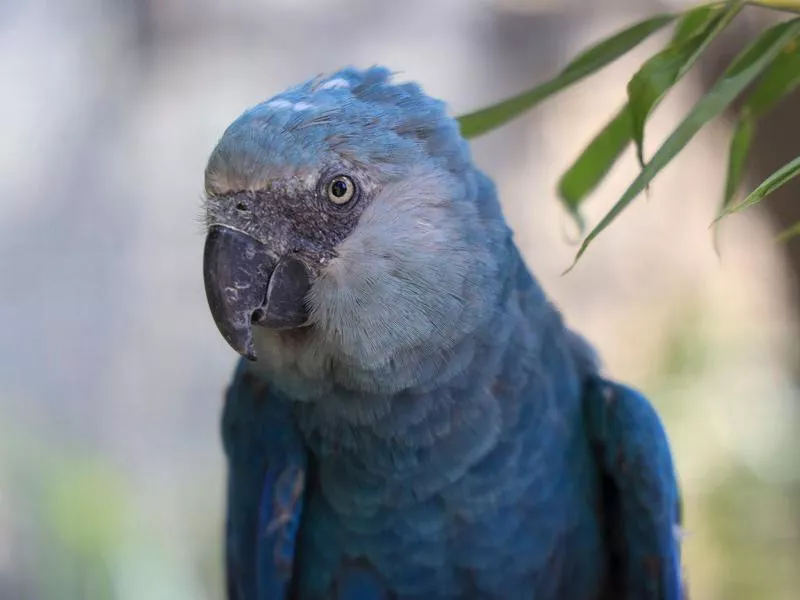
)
(663, 70)
(745, 68)
(694, 21)
(782, 77)
(780, 177)
(789, 233)
(594, 162)
(588, 62)
(737, 157)
(604, 150)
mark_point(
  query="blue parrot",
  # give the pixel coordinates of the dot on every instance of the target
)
(411, 418)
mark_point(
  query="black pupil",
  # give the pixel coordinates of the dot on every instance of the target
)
(339, 188)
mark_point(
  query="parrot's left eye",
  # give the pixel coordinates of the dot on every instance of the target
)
(341, 189)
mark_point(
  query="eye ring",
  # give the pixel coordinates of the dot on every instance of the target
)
(340, 189)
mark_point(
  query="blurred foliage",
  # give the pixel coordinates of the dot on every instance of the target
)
(83, 539)
(772, 60)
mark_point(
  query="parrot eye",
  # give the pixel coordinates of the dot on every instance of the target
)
(341, 189)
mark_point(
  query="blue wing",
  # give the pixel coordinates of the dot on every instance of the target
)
(641, 498)
(266, 485)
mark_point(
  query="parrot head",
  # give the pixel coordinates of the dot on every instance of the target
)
(345, 218)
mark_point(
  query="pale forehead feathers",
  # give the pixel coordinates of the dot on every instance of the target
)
(352, 117)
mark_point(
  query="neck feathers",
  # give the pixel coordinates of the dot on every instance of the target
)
(412, 445)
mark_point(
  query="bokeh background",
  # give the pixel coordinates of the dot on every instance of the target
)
(111, 369)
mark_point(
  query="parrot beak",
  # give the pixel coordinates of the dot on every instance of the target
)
(245, 287)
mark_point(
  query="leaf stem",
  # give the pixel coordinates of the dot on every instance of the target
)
(790, 6)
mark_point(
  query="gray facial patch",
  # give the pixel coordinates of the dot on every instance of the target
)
(294, 215)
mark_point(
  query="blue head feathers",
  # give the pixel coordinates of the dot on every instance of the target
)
(359, 117)
(399, 274)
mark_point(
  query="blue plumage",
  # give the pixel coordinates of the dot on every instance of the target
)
(266, 480)
(429, 428)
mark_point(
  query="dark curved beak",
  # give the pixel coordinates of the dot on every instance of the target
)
(246, 286)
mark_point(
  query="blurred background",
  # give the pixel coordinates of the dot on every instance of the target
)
(111, 369)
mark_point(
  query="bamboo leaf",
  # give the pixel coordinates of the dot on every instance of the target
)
(779, 178)
(694, 21)
(661, 72)
(737, 157)
(782, 77)
(597, 159)
(588, 62)
(789, 233)
(594, 163)
(745, 68)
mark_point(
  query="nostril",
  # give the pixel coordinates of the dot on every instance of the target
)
(257, 316)
(241, 206)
